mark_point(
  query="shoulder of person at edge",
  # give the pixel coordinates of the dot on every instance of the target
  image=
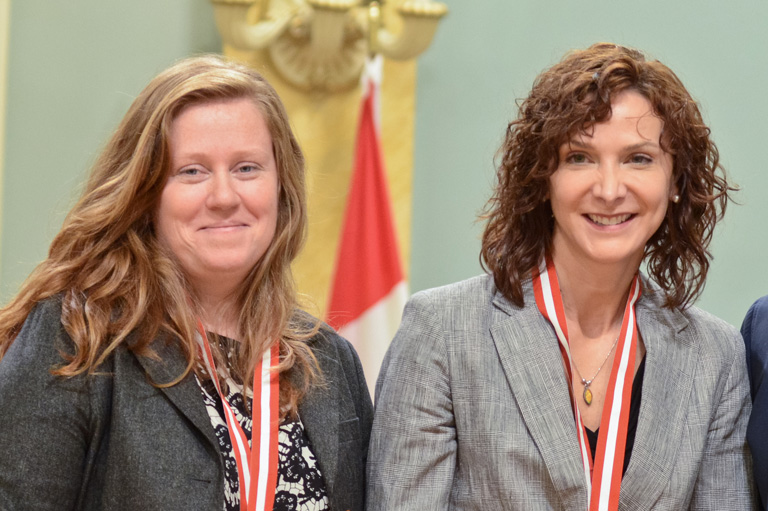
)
(755, 332)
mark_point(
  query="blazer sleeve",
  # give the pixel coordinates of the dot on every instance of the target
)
(725, 475)
(754, 329)
(44, 419)
(359, 389)
(412, 456)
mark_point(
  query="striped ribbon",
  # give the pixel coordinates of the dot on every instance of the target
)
(260, 457)
(604, 479)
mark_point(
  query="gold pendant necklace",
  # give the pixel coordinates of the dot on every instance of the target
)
(587, 394)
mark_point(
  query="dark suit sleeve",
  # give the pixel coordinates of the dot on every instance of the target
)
(413, 443)
(754, 329)
(44, 419)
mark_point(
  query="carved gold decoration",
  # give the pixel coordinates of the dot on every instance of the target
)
(321, 45)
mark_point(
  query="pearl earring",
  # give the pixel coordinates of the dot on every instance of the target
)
(675, 198)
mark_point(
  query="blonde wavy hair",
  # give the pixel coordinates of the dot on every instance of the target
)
(120, 287)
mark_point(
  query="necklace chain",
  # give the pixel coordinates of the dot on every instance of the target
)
(587, 394)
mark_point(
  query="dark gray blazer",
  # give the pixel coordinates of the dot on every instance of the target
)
(473, 411)
(113, 441)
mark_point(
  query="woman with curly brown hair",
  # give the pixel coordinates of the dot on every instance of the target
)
(567, 379)
(157, 359)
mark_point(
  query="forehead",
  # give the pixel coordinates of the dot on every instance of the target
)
(632, 117)
(216, 103)
(227, 129)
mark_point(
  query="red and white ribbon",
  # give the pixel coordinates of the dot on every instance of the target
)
(604, 482)
(257, 461)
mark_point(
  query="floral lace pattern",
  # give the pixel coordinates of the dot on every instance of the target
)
(300, 485)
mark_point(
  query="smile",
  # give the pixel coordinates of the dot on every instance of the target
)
(222, 227)
(609, 220)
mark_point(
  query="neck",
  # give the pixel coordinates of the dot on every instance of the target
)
(594, 295)
(218, 312)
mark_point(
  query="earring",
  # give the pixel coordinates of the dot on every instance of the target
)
(675, 198)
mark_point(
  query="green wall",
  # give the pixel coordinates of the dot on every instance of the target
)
(75, 66)
(487, 54)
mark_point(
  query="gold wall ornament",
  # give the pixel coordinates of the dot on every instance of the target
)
(321, 45)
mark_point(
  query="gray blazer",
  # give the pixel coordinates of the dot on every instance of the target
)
(113, 441)
(473, 411)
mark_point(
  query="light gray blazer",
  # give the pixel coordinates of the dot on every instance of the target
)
(112, 441)
(473, 411)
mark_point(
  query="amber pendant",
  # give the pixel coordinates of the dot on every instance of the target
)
(587, 396)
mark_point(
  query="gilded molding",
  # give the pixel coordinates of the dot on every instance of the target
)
(321, 45)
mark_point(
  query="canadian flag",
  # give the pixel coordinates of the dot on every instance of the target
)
(369, 289)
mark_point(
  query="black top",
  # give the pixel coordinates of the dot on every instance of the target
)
(634, 413)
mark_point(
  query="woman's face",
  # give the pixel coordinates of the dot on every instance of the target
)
(612, 186)
(218, 210)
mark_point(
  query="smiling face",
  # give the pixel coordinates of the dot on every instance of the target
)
(218, 210)
(610, 191)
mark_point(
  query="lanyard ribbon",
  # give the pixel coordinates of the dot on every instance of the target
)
(261, 456)
(604, 481)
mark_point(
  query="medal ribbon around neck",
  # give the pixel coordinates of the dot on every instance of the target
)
(259, 458)
(604, 482)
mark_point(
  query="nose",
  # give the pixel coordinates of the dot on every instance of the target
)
(609, 182)
(223, 193)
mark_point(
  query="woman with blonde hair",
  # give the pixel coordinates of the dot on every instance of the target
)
(567, 379)
(157, 359)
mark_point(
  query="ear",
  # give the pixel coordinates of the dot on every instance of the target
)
(674, 193)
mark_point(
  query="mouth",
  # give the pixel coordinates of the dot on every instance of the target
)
(222, 227)
(608, 220)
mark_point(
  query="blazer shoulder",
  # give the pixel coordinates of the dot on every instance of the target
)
(755, 324)
(336, 357)
(714, 337)
(327, 342)
(42, 336)
(703, 327)
(754, 329)
(477, 291)
(707, 323)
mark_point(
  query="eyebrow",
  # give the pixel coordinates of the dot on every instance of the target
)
(634, 147)
(247, 154)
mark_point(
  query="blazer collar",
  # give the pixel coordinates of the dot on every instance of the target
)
(670, 366)
(531, 359)
(169, 364)
(321, 428)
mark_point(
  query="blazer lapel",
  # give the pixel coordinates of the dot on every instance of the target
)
(669, 370)
(185, 395)
(319, 414)
(531, 359)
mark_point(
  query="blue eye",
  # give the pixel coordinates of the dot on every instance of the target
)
(191, 171)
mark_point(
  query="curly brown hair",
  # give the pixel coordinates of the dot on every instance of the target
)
(570, 97)
(120, 287)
